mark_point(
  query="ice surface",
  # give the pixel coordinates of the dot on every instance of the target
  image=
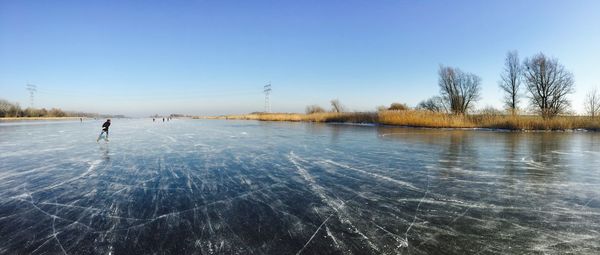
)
(244, 187)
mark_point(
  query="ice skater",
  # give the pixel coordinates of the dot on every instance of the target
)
(104, 130)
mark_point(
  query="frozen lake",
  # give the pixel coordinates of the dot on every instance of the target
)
(245, 187)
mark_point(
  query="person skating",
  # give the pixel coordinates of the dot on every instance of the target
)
(104, 130)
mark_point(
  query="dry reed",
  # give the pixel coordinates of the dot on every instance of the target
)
(413, 118)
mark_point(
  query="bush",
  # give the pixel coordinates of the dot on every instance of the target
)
(15, 111)
(54, 112)
(490, 111)
(398, 107)
(314, 109)
(31, 112)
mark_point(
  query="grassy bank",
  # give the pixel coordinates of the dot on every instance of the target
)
(433, 120)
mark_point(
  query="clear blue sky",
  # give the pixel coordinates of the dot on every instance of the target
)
(213, 57)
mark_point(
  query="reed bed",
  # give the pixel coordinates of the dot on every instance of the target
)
(538, 123)
(424, 119)
(427, 119)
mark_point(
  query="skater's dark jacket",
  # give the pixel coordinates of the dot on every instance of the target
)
(106, 125)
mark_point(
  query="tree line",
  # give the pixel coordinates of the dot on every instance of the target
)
(545, 81)
(542, 80)
(8, 109)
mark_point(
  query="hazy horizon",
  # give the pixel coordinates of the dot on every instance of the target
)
(210, 58)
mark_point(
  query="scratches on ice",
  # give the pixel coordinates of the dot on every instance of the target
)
(402, 242)
(379, 176)
(91, 168)
(54, 234)
(311, 181)
(139, 223)
(170, 138)
(337, 206)
(400, 245)
(335, 241)
(53, 216)
(226, 196)
(315, 233)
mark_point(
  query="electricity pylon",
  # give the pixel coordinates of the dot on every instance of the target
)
(267, 91)
(32, 89)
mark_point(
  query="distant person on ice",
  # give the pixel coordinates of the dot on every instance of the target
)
(104, 130)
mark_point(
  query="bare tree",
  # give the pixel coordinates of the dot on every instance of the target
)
(459, 89)
(336, 106)
(434, 104)
(548, 84)
(8, 109)
(5, 107)
(314, 109)
(592, 103)
(511, 81)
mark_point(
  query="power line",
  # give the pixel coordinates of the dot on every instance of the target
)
(32, 89)
(267, 91)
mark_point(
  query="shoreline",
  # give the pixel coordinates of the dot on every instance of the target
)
(431, 120)
(40, 118)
